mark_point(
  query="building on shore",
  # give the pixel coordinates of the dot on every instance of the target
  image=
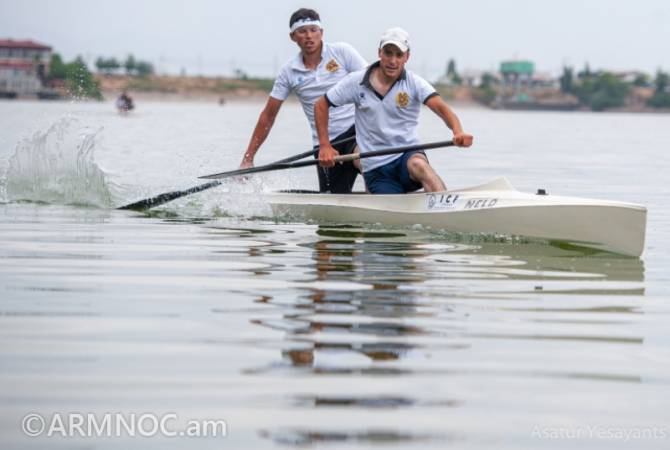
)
(24, 66)
(523, 88)
(517, 74)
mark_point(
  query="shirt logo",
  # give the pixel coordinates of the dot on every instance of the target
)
(332, 66)
(402, 99)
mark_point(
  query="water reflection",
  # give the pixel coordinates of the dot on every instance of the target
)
(436, 308)
(301, 437)
(381, 402)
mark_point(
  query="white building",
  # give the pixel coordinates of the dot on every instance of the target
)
(24, 66)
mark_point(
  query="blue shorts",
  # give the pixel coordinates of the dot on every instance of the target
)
(392, 178)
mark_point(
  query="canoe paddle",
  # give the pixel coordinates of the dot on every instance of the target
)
(338, 159)
(169, 196)
(313, 152)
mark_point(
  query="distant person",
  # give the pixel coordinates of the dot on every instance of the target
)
(124, 103)
(317, 68)
(388, 100)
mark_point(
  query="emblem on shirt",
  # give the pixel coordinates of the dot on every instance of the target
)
(402, 99)
(332, 66)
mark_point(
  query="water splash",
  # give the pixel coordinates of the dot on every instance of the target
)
(57, 166)
(234, 198)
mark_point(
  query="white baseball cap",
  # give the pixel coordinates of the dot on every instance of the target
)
(396, 36)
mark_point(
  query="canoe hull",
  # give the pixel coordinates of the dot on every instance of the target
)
(493, 208)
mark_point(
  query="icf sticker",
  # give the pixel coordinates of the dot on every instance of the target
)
(439, 202)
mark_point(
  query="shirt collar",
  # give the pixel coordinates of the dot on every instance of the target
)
(368, 72)
(298, 63)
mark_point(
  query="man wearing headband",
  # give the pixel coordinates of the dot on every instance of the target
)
(388, 99)
(318, 67)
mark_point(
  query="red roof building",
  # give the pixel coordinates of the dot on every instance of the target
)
(25, 44)
(24, 65)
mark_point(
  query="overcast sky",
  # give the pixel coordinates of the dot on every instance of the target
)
(213, 37)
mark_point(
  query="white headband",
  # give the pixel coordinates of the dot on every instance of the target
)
(304, 22)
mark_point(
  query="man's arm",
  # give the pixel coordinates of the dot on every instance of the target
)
(342, 93)
(263, 127)
(326, 151)
(439, 107)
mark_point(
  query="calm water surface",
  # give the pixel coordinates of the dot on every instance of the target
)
(323, 335)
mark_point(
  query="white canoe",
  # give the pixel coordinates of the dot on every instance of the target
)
(492, 208)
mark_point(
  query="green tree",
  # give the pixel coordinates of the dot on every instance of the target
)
(661, 82)
(602, 91)
(567, 80)
(586, 73)
(452, 73)
(240, 74)
(114, 64)
(57, 69)
(641, 80)
(100, 64)
(661, 97)
(130, 64)
(144, 68)
(80, 82)
(486, 91)
(488, 80)
(107, 65)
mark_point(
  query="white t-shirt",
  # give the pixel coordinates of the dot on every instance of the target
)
(337, 61)
(382, 122)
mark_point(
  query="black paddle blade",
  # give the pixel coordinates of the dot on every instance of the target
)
(167, 197)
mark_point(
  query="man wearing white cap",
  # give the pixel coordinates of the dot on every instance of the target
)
(388, 99)
(318, 67)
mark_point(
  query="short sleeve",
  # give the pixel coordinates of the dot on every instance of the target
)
(423, 89)
(345, 91)
(281, 88)
(352, 60)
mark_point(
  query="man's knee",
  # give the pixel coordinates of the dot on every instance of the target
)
(417, 164)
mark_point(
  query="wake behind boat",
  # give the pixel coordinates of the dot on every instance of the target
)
(495, 207)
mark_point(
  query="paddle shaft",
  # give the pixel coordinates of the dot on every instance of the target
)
(169, 196)
(314, 151)
(338, 159)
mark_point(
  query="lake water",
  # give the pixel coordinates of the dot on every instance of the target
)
(322, 335)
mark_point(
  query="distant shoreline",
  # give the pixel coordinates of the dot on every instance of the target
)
(179, 88)
(221, 90)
